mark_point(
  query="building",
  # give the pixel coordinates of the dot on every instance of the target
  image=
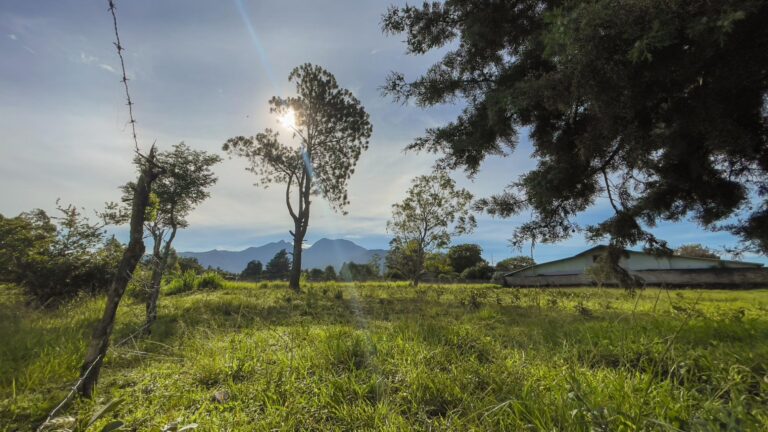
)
(671, 270)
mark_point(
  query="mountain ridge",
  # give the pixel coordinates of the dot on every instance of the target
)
(321, 254)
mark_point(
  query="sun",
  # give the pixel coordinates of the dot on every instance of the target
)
(288, 119)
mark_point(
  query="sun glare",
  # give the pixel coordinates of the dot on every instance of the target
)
(288, 119)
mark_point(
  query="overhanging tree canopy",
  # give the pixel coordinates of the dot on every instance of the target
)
(658, 106)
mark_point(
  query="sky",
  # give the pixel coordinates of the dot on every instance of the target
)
(201, 72)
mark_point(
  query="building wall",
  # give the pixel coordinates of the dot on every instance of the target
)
(634, 262)
(735, 277)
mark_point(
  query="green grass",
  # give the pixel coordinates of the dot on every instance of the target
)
(389, 357)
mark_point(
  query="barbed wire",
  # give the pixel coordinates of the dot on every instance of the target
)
(120, 49)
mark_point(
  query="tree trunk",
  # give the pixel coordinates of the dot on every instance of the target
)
(298, 239)
(301, 223)
(94, 358)
(160, 261)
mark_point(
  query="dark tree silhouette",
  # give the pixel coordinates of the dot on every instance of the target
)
(464, 256)
(659, 107)
(253, 271)
(279, 267)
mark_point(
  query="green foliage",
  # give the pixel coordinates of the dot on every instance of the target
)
(405, 261)
(209, 281)
(55, 258)
(316, 275)
(189, 281)
(279, 267)
(329, 274)
(481, 271)
(657, 106)
(464, 256)
(253, 271)
(385, 356)
(186, 282)
(351, 271)
(437, 264)
(514, 263)
(433, 211)
(140, 285)
(696, 250)
(189, 264)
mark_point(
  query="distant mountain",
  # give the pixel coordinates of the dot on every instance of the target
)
(322, 253)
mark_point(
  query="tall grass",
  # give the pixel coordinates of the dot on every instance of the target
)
(384, 356)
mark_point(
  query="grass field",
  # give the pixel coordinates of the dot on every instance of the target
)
(390, 357)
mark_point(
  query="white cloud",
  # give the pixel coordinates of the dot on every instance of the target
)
(87, 58)
(107, 67)
(13, 36)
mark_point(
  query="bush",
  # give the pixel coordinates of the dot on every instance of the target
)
(479, 272)
(56, 258)
(210, 281)
(140, 285)
(184, 283)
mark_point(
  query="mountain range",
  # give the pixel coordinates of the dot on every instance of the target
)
(322, 253)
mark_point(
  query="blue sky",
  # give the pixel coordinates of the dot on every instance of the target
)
(201, 72)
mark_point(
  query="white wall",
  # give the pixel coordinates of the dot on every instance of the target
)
(634, 262)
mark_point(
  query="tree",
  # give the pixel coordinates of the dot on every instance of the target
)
(316, 275)
(478, 272)
(252, 271)
(188, 176)
(437, 263)
(433, 211)
(330, 273)
(696, 250)
(332, 129)
(279, 267)
(351, 271)
(464, 256)
(514, 263)
(180, 264)
(149, 171)
(658, 107)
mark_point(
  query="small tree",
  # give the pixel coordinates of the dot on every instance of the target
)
(464, 256)
(252, 271)
(185, 185)
(433, 211)
(329, 274)
(696, 250)
(332, 129)
(279, 267)
(437, 264)
(316, 275)
(514, 263)
(351, 271)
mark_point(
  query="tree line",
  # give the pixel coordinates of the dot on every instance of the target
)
(462, 262)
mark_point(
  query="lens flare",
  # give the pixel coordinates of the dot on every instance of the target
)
(288, 119)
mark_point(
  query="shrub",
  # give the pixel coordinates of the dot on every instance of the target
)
(140, 284)
(55, 258)
(210, 281)
(182, 284)
(479, 272)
